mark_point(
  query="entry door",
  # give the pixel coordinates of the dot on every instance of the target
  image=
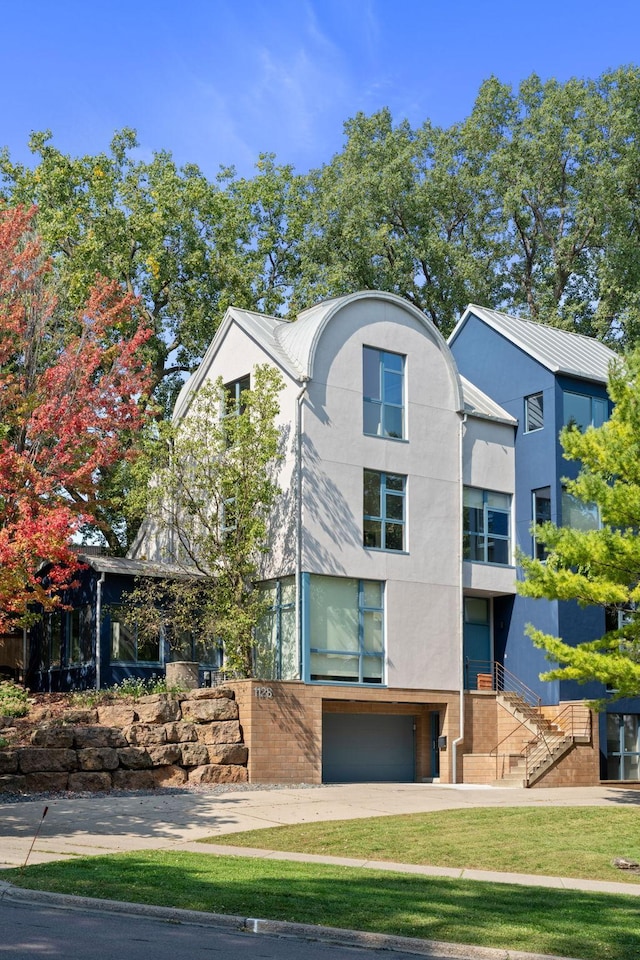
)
(477, 639)
(435, 751)
(623, 746)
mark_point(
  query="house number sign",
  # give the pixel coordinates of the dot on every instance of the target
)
(264, 693)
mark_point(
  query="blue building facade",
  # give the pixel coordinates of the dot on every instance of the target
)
(547, 378)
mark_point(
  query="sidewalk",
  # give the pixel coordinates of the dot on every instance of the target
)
(89, 826)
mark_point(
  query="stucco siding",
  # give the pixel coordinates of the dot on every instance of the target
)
(423, 581)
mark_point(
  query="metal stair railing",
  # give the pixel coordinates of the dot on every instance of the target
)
(574, 720)
(524, 700)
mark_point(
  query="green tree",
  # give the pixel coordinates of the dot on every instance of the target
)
(395, 210)
(208, 503)
(599, 566)
(166, 234)
(558, 165)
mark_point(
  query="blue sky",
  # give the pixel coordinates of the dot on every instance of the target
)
(217, 82)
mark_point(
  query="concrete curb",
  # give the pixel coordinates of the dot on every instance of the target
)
(275, 928)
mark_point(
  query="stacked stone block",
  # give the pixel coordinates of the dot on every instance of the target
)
(158, 741)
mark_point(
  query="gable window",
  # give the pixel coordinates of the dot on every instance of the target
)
(346, 624)
(233, 395)
(541, 514)
(383, 393)
(534, 412)
(582, 411)
(578, 514)
(486, 523)
(384, 510)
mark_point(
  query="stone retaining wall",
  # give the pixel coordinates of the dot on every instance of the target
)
(158, 741)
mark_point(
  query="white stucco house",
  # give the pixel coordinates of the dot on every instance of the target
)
(387, 449)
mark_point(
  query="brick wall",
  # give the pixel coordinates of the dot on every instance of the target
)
(282, 725)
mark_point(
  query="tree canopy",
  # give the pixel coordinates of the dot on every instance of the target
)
(599, 566)
(213, 487)
(530, 205)
(68, 408)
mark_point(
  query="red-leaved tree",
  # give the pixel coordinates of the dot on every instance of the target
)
(71, 398)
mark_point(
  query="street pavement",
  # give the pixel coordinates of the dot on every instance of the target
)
(181, 820)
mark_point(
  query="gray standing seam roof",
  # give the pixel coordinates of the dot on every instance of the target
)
(478, 404)
(560, 351)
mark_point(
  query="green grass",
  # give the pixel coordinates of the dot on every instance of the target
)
(568, 923)
(552, 841)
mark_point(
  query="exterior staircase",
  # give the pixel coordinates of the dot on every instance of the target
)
(537, 740)
(549, 741)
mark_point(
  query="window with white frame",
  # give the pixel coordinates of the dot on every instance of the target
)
(383, 393)
(533, 412)
(487, 526)
(233, 394)
(346, 629)
(384, 510)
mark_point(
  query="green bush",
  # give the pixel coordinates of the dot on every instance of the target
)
(13, 700)
(131, 688)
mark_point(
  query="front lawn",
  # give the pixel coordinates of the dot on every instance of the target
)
(552, 841)
(561, 922)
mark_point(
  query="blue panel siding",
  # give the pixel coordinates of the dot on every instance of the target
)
(480, 352)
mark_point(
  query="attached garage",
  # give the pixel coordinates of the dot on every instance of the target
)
(368, 748)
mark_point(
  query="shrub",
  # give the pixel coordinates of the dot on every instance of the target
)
(13, 700)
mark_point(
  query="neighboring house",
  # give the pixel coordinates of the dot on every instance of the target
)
(88, 645)
(547, 378)
(411, 472)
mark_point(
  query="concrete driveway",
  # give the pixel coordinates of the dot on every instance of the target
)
(111, 823)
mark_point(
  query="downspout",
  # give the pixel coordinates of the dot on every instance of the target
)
(99, 630)
(299, 401)
(459, 739)
(25, 654)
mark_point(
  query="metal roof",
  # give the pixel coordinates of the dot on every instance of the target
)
(478, 404)
(558, 350)
(137, 568)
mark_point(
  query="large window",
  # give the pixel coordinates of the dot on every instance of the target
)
(276, 655)
(346, 625)
(383, 393)
(127, 646)
(533, 412)
(384, 510)
(194, 646)
(79, 634)
(583, 411)
(578, 514)
(541, 514)
(487, 526)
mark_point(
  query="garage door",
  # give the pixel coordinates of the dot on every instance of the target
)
(366, 748)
